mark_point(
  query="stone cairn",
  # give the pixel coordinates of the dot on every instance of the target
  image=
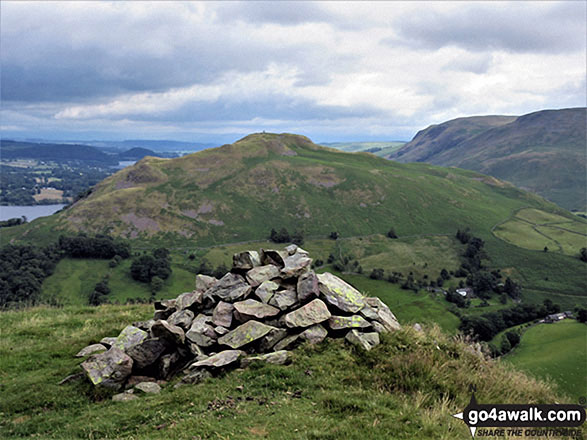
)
(268, 303)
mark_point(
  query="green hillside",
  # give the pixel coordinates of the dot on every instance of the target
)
(543, 152)
(380, 149)
(408, 387)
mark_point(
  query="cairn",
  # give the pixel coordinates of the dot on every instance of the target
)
(268, 303)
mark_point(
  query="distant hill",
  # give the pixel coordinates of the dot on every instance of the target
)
(240, 191)
(54, 152)
(543, 152)
(136, 154)
(380, 149)
(161, 146)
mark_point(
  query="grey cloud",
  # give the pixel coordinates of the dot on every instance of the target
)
(518, 27)
(281, 12)
(474, 63)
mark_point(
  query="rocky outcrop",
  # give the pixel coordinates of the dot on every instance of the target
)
(267, 304)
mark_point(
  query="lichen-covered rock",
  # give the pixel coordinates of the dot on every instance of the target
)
(130, 336)
(312, 313)
(378, 327)
(189, 299)
(182, 318)
(288, 342)
(344, 322)
(339, 293)
(280, 357)
(246, 260)
(231, 287)
(314, 334)
(295, 265)
(148, 387)
(258, 275)
(108, 341)
(201, 333)
(267, 342)
(91, 349)
(124, 397)
(147, 352)
(384, 315)
(283, 299)
(307, 287)
(204, 282)
(223, 314)
(364, 340)
(244, 334)
(266, 291)
(250, 309)
(168, 332)
(109, 369)
(221, 359)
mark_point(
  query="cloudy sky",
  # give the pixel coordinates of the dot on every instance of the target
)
(215, 71)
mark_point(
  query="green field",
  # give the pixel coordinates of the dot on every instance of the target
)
(536, 229)
(555, 351)
(408, 387)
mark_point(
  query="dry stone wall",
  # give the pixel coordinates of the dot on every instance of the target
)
(268, 303)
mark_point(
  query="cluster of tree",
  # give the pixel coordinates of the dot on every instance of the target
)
(13, 222)
(486, 326)
(581, 314)
(101, 290)
(345, 263)
(508, 341)
(152, 268)
(22, 271)
(283, 236)
(334, 235)
(206, 268)
(458, 299)
(391, 233)
(99, 246)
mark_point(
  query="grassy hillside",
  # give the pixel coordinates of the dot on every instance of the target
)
(543, 152)
(408, 387)
(380, 149)
(556, 351)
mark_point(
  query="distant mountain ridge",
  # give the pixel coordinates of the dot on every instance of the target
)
(54, 152)
(543, 152)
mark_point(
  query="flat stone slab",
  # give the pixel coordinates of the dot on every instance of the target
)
(204, 282)
(344, 322)
(295, 265)
(91, 349)
(258, 275)
(245, 334)
(182, 318)
(280, 357)
(339, 293)
(230, 288)
(109, 369)
(169, 332)
(284, 299)
(384, 314)
(250, 308)
(147, 352)
(221, 359)
(266, 291)
(364, 340)
(246, 260)
(222, 314)
(189, 299)
(130, 336)
(148, 387)
(314, 334)
(307, 287)
(201, 333)
(124, 397)
(312, 313)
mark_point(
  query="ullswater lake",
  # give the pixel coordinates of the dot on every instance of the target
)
(30, 212)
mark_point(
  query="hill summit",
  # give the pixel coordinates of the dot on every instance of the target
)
(240, 191)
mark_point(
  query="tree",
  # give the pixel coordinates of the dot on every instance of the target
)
(156, 285)
(581, 314)
(297, 238)
(377, 274)
(545, 249)
(391, 233)
(334, 235)
(583, 254)
(444, 274)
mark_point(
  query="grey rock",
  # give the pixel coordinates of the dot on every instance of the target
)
(266, 291)
(340, 294)
(250, 309)
(281, 357)
(221, 359)
(384, 315)
(108, 341)
(130, 336)
(192, 299)
(267, 342)
(168, 364)
(91, 349)
(231, 287)
(195, 376)
(295, 265)
(220, 331)
(284, 299)
(291, 249)
(258, 275)
(148, 387)
(288, 342)
(195, 349)
(144, 325)
(168, 332)
(312, 313)
(246, 260)
(162, 314)
(344, 322)
(147, 352)
(72, 378)
(364, 340)
(307, 287)
(124, 397)
(314, 334)
(204, 282)
(182, 318)
(417, 327)
(165, 304)
(368, 312)
(223, 314)
(244, 334)
(378, 327)
(109, 369)
(276, 258)
(201, 333)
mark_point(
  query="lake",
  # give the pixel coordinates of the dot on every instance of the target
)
(30, 212)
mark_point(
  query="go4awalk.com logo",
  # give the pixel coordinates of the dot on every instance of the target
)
(517, 420)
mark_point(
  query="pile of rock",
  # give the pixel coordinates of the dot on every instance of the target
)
(269, 302)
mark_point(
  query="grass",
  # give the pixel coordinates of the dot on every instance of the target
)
(557, 351)
(408, 387)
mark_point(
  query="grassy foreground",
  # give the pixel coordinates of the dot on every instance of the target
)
(405, 388)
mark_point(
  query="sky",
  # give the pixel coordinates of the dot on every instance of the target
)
(333, 71)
